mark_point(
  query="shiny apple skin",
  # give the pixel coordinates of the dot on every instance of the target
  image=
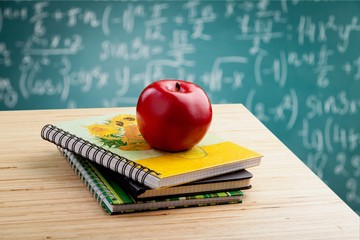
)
(173, 117)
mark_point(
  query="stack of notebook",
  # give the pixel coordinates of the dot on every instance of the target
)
(125, 174)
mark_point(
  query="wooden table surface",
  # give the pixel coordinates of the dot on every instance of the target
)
(42, 198)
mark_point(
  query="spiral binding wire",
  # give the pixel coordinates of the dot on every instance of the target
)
(91, 180)
(51, 133)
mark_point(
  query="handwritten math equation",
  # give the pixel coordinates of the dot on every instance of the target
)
(298, 71)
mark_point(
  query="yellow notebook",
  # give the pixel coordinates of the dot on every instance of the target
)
(115, 142)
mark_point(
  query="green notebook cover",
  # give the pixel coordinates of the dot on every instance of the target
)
(115, 200)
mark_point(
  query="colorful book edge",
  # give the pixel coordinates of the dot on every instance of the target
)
(238, 180)
(115, 200)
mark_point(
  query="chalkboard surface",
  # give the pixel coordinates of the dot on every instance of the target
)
(294, 64)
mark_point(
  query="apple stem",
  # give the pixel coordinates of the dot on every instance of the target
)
(177, 86)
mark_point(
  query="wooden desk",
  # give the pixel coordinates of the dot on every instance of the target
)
(41, 197)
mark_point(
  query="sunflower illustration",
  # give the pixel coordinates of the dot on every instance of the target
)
(102, 130)
(123, 120)
(120, 132)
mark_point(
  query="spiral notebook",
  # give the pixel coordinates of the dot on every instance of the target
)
(238, 180)
(114, 141)
(115, 200)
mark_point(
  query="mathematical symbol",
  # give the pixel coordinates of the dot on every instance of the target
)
(230, 9)
(238, 80)
(247, 6)
(357, 67)
(353, 107)
(355, 162)
(156, 50)
(347, 68)
(178, 20)
(55, 41)
(340, 167)
(45, 61)
(58, 15)
(260, 112)
(198, 31)
(278, 112)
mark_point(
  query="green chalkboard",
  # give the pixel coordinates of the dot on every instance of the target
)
(294, 64)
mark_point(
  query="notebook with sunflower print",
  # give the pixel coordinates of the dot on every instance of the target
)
(115, 142)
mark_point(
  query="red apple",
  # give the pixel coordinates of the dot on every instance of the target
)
(173, 115)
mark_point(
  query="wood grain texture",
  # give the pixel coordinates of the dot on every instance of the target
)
(41, 197)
